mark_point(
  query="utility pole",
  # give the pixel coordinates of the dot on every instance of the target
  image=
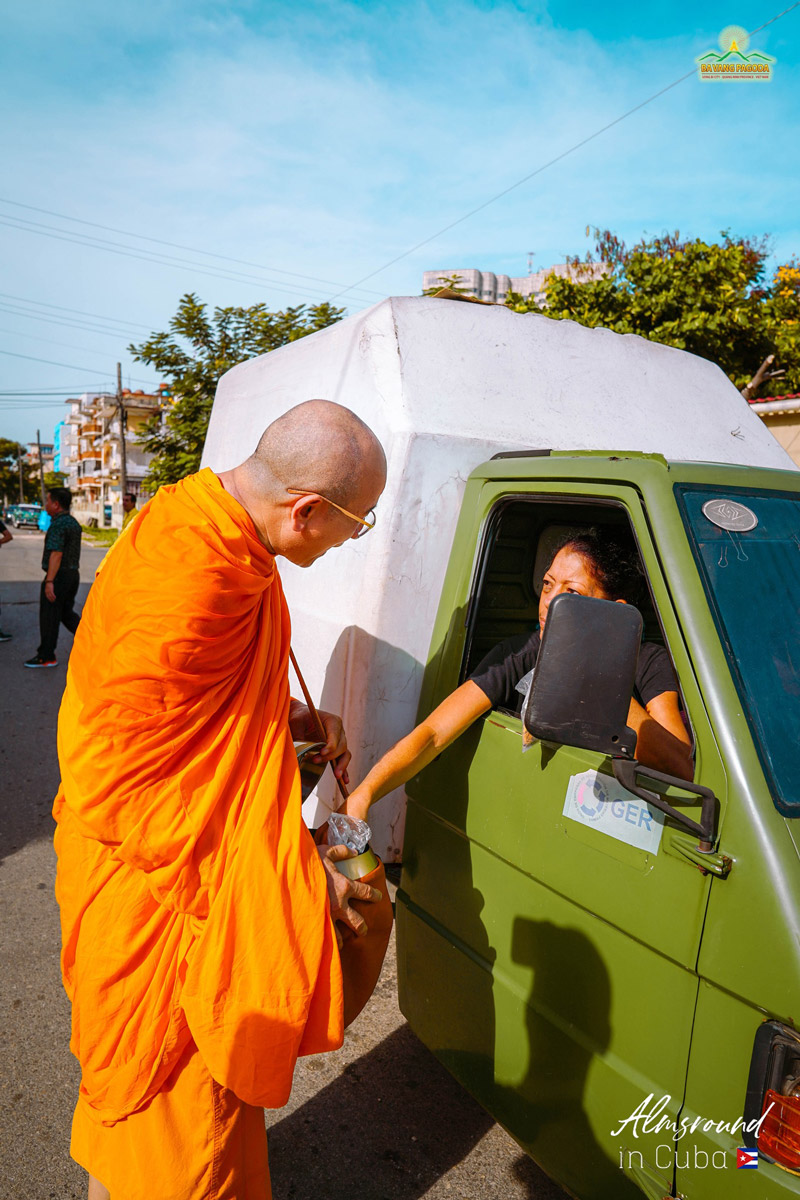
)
(19, 464)
(41, 467)
(123, 467)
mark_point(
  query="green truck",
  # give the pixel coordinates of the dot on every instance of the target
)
(609, 962)
(594, 988)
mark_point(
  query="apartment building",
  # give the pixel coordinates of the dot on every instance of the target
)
(485, 285)
(91, 451)
(31, 457)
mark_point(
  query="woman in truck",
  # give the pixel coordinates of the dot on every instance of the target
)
(590, 564)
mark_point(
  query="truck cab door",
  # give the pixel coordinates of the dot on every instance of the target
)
(549, 923)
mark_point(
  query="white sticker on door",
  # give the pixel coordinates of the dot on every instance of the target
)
(602, 803)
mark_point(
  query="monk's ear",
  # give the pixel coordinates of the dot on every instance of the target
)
(303, 509)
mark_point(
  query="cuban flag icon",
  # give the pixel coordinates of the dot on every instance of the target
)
(747, 1159)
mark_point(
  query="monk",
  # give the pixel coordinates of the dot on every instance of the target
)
(198, 917)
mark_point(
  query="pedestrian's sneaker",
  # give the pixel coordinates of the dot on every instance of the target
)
(5, 637)
(38, 661)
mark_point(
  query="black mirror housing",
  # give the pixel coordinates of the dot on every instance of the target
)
(584, 676)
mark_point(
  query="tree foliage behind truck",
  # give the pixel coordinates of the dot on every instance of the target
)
(714, 299)
(197, 349)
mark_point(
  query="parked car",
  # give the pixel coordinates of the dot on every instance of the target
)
(20, 515)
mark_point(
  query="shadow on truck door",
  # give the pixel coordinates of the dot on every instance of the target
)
(516, 1006)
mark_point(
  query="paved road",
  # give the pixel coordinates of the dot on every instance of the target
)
(380, 1119)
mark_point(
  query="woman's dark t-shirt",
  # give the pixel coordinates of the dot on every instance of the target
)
(501, 670)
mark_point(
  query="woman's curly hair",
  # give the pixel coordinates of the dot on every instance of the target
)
(613, 562)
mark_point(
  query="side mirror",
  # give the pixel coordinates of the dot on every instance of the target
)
(584, 675)
(582, 692)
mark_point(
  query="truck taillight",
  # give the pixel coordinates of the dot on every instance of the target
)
(779, 1136)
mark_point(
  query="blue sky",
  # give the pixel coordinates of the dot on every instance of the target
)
(327, 139)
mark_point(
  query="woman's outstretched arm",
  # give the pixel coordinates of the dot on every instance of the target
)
(418, 748)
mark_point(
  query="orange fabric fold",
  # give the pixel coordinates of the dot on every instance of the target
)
(193, 902)
(193, 1141)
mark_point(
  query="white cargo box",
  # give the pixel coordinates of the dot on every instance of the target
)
(445, 385)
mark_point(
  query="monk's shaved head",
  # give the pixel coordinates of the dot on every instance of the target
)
(318, 447)
(317, 455)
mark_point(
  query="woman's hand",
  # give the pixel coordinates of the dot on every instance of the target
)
(358, 803)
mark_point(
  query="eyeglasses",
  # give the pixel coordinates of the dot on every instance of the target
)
(367, 522)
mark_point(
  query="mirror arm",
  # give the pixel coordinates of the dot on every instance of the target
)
(625, 772)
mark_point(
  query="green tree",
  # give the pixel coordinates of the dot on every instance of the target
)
(54, 479)
(711, 298)
(192, 356)
(9, 474)
(782, 315)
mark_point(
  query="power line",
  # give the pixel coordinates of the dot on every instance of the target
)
(5, 406)
(50, 341)
(78, 311)
(544, 166)
(174, 245)
(70, 366)
(165, 260)
(65, 323)
(19, 393)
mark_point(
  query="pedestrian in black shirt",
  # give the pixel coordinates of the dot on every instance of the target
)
(5, 536)
(589, 564)
(60, 563)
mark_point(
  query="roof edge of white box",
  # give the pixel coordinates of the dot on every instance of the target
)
(445, 385)
(433, 365)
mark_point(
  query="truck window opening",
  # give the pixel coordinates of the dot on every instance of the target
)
(519, 540)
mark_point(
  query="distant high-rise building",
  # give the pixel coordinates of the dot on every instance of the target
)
(485, 285)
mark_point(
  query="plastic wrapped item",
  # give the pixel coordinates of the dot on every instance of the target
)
(348, 831)
(525, 687)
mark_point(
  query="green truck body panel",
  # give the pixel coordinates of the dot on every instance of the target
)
(563, 975)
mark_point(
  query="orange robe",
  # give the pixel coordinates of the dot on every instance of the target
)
(193, 902)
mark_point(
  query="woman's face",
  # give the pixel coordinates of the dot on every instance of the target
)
(568, 572)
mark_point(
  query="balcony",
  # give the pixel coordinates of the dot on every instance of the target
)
(137, 462)
(93, 427)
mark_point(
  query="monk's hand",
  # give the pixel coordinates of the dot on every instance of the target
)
(342, 890)
(335, 749)
(303, 727)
